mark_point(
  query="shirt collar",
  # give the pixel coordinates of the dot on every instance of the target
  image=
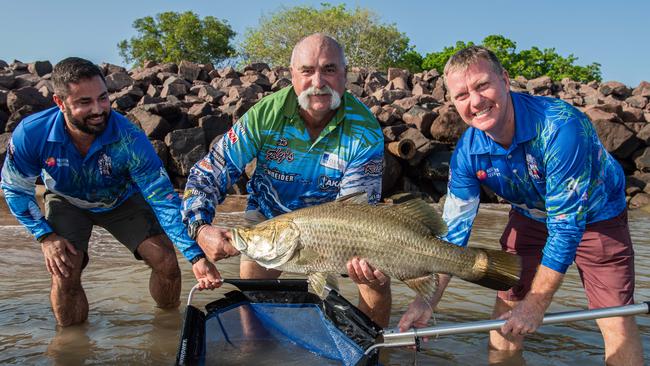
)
(481, 143)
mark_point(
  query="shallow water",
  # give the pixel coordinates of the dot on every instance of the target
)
(124, 327)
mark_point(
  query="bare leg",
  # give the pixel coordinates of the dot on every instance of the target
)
(497, 340)
(376, 301)
(67, 296)
(165, 281)
(250, 270)
(622, 341)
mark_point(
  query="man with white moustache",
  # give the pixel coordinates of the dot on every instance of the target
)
(314, 142)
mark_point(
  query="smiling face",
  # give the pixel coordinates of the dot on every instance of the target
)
(482, 98)
(318, 76)
(86, 105)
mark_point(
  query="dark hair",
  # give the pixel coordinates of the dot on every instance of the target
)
(469, 56)
(73, 70)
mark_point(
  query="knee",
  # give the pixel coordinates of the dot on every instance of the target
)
(67, 286)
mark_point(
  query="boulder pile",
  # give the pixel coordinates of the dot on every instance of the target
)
(184, 108)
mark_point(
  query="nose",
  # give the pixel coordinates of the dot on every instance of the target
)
(475, 98)
(317, 80)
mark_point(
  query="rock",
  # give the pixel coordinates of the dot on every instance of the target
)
(199, 110)
(420, 118)
(118, 81)
(161, 150)
(153, 125)
(640, 200)
(4, 143)
(27, 96)
(186, 147)
(615, 88)
(616, 138)
(448, 126)
(40, 68)
(228, 73)
(643, 89)
(210, 94)
(637, 101)
(541, 85)
(389, 96)
(354, 89)
(214, 125)
(643, 161)
(257, 67)
(258, 79)
(398, 83)
(392, 172)
(189, 71)
(394, 73)
(436, 166)
(7, 79)
(392, 133)
(630, 114)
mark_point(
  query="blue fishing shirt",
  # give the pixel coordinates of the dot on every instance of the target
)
(292, 171)
(120, 162)
(556, 171)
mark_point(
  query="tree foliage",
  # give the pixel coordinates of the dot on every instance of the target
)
(530, 63)
(366, 42)
(172, 37)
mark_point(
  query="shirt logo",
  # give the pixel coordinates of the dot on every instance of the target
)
(481, 175)
(62, 162)
(333, 161)
(105, 165)
(279, 155)
(281, 176)
(326, 183)
(51, 162)
(232, 136)
(533, 170)
(373, 168)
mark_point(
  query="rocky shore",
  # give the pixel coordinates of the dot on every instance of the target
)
(184, 108)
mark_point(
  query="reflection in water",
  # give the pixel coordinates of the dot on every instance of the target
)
(125, 327)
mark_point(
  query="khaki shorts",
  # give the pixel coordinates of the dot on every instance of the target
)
(254, 217)
(130, 223)
(605, 258)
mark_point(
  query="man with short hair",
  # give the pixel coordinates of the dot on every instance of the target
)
(313, 142)
(568, 203)
(98, 168)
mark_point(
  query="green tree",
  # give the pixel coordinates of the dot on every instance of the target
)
(530, 63)
(172, 37)
(366, 42)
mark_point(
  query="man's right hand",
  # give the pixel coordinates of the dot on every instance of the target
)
(55, 249)
(215, 242)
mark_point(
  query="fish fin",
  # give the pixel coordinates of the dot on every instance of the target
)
(425, 286)
(320, 280)
(357, 197)
(501, 270)
(422, 212)
(306, 256)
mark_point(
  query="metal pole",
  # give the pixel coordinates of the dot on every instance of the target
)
(393, 338)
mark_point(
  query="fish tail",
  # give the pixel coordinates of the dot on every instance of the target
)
(497, 269)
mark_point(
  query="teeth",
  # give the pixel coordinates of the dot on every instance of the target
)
(480, 113)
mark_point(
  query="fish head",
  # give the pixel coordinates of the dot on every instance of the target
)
(271, 243)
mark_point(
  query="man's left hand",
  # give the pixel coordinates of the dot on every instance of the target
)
(361, 272)
(524, 318)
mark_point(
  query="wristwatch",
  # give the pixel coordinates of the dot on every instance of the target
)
(193, 228)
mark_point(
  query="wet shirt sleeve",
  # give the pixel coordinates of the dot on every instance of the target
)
(363, 174)
(150, 176)
(568, 176)
(19, 173)
(463, 198)
(211, 176)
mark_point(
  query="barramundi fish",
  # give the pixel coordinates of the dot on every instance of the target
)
(400, 240)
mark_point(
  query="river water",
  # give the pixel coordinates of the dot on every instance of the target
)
(125, 328)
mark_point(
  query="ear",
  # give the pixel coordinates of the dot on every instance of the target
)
(506, 78)
(59, 102)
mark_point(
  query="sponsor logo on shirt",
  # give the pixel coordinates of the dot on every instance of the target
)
(281, 176)
(192, 192)
(105, 165)
(373, 168)
(62, 162)
(51, 162)
(533, 170)
(283, 142)
(279, 155)
(493, 172)
(333, 161)
(232, 136)
(205, 165)
(481, 175)
(326, 183)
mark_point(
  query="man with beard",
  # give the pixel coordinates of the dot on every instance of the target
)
(98, 169)
(314, 142)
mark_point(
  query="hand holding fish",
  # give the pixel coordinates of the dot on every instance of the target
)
(361, 272)
(523, 319)
(206, 274)
(215, 242)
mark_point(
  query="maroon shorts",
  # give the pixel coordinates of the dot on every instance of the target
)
(605, 258)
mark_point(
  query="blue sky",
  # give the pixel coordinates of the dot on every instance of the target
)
(614, 33)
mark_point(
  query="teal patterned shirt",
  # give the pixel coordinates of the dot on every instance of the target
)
(556, 171)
